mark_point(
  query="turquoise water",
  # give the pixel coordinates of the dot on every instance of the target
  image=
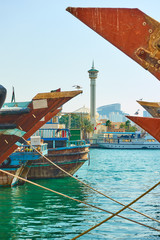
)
(27, 212)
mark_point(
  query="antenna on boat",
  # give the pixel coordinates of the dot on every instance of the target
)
(3, 93)
(13, 95)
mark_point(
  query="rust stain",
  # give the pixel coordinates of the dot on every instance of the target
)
(130, 30)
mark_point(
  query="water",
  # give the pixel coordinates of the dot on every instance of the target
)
(27, 212)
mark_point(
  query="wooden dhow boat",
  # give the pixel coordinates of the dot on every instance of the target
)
(151, 107)
(69, 158)
(130, 30)
(17, 122)
(68, 155)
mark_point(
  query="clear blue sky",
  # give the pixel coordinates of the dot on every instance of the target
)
(43, 47)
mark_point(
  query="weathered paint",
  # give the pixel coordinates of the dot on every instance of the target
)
(16, 132)
(152, 107)
(16, 104)
(16, 165)
(130, 30)
(150, 125)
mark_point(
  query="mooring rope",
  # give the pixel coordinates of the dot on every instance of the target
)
(145, 215)
(74, 199)
(116, 214)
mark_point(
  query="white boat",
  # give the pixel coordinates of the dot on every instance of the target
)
(127, 140)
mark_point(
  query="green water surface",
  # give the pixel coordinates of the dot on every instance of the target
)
(28, 212)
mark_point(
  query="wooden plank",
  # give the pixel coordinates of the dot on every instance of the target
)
(53, 95)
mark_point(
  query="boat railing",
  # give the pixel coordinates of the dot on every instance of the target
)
(120, 140)
(76, 143)
(28, 148)
(52, 133)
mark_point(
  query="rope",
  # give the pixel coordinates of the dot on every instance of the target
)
(74, 199)
(116, 214)
(145, 215)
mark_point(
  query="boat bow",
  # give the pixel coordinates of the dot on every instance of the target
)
(25, 123)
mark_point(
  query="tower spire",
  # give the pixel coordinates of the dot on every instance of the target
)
(93, 75)
(93, 64)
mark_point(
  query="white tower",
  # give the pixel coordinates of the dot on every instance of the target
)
(93, 75)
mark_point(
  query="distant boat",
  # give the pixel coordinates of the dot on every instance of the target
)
(151, 107)
(127, 140)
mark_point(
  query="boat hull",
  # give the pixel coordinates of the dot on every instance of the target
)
(16, 164)
(5, 179)
(69, 159)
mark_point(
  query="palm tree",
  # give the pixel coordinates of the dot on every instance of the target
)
(86, 127)
(121, 126)
(127, 125)
(108, 124)
(77, 122)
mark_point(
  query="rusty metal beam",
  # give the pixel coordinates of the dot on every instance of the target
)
(130, 30)
(150, 125)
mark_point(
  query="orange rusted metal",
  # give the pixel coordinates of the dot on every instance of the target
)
(130, 30)
(152, 107)
(150, 125)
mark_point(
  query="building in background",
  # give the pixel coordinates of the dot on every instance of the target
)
(112, 112)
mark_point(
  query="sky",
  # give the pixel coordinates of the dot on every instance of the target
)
(43, 47)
